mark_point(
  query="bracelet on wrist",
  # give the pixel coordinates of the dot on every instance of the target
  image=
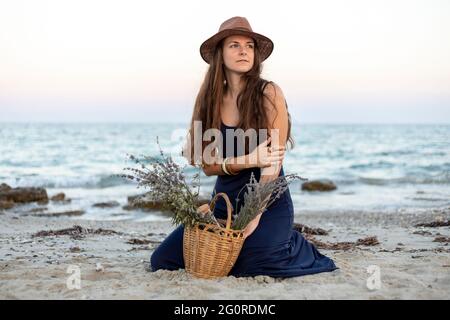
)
(224, 168)
(230, 171)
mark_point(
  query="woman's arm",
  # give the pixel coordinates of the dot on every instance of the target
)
(258, 158)
(235, 164)
(278, 116)
(214, 168)
(279, 121)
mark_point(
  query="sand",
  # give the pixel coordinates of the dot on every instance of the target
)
(411, 265)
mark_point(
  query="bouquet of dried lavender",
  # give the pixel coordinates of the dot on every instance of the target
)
(259, 197)
(167, 184)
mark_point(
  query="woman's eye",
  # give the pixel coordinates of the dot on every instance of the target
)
(236, 45)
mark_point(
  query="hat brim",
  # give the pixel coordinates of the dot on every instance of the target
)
(208, 47)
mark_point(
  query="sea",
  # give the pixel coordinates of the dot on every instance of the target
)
(376, 167)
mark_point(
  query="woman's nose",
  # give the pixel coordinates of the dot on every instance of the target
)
(243, 50)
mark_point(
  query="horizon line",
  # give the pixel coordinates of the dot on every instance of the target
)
(186, 122)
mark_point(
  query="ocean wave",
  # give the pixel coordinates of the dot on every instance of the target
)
(394, 153)
(88, 182)
(442, 167)
(436, 167)
(372, 165)
(442, 178)
(428, 199)
(111, 180)
(20, 163)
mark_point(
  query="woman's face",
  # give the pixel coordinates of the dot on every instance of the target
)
(238, 53)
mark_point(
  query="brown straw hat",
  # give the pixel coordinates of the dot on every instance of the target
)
(236, 26)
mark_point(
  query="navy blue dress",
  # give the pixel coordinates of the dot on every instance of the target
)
(273, 249)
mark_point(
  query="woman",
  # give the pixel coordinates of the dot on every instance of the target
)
(234, 96)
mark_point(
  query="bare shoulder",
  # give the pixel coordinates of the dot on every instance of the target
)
(274, 94)
(275, 106)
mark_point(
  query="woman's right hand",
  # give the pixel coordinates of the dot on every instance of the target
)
(263, 156)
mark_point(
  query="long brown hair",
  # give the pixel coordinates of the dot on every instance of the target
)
(250, 100)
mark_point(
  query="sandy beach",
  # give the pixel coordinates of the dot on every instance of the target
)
(112, 260)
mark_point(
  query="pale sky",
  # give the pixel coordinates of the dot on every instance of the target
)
(336, 61)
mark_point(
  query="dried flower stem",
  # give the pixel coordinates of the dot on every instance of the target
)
(168, 185)
(260, 196)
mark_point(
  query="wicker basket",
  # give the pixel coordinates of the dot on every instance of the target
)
(210, 251)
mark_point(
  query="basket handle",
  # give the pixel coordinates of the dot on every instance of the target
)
(229, 207)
